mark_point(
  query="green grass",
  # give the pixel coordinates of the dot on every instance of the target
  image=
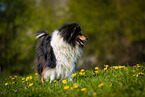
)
(112, 81)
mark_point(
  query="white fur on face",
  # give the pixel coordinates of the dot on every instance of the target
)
(66, 56)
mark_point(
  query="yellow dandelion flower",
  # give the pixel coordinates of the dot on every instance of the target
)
(133, 70)
(13, 82)
(140, 73)
(134, 75)
(66, 87)
(10, 76)
(31, 84)
(27, 78)
(30, 77)
(15, 76)
(96, 71)
(55, 81)
(105, 68)
(107, 65)
(82, 70)
(64, 81)
(100, 85)
(71, 88)
(6, 84)
(80, 73)
(94, 93)
(36, 73)
(23, 78)
(83, 89)
(75, 86)
(74, 74)
(121, 67)
(23, 81)
(96, 68)
(116, 67)
(138, 65)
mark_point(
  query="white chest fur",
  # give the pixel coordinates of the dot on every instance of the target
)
(66, 56)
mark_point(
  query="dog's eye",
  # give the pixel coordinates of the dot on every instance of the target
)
(79, 33)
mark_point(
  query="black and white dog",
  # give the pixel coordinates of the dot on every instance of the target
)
(56, 55)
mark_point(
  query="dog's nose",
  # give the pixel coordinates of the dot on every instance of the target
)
(86, 38)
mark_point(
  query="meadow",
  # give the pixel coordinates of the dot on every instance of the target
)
(111, 81)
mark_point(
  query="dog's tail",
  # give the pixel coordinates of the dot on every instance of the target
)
(41, 33)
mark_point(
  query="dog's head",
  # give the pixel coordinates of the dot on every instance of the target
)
(71, 33)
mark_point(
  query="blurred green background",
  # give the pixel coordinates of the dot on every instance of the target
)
(115, 28)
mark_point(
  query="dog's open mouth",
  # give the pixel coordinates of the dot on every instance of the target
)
(81, 43)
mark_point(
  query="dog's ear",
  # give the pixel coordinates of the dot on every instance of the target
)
(73, 33)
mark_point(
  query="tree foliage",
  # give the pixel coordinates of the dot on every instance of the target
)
(115, 29)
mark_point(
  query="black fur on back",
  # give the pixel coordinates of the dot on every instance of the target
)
(44, 56)
(69, 31)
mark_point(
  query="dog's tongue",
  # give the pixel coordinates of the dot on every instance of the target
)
(81, 43)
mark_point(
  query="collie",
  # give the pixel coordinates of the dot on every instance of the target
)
(56, 55)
